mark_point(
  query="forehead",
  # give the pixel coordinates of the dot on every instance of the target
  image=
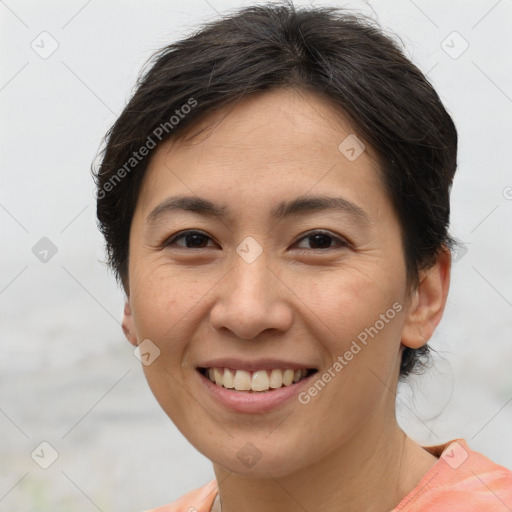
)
(273, 143)
(278, 121)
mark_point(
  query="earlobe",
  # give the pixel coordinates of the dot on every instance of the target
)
(427, 303)
(128, 324)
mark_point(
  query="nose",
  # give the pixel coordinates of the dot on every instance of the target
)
(251, 299)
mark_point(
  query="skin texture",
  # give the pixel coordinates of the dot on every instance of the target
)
(297, 301)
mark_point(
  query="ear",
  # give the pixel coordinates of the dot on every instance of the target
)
(128, 324)
(427, 303)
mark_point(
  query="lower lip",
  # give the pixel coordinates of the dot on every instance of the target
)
(256, 401)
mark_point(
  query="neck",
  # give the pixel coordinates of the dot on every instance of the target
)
(360, 475)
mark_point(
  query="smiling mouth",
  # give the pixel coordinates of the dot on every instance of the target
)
(257, 381)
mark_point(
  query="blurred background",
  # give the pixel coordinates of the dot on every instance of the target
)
(68, 378)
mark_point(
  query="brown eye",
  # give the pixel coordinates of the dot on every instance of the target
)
(323, 240)
(193, 239)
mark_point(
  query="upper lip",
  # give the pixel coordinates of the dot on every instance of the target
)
(253, 365)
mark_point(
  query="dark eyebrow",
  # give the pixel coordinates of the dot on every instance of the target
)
(304, 204)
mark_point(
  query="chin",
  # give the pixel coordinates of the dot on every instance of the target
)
(259, 459)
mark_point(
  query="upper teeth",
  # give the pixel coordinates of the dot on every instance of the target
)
(260, 380)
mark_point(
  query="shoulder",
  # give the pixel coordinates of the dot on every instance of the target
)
(462, 479)
(197, 500)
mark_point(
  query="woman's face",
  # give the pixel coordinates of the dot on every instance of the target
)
(277, 281)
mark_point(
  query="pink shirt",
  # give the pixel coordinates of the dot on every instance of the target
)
(461, 481)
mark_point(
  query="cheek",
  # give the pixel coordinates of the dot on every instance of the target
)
(163, 305)
(162, 298)
(349, 300)
(358, 318)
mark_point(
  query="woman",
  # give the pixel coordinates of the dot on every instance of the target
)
(275, 201)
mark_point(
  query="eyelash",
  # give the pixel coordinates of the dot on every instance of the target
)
(341, 242)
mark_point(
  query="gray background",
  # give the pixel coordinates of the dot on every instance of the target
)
(67, 375)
